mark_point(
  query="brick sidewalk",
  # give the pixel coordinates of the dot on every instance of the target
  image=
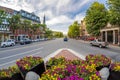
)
(67, 54)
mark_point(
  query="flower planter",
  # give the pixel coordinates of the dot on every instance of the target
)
(5, 78)
(100, 67)
(39, 69)
(17, 76)
(114, 75)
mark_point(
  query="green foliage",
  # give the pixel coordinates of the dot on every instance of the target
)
(2, 16)
(26, 25)
(48, 33)
(58, 34)
(14, 22)
(96, 18)
(74, 31)
(114, 13)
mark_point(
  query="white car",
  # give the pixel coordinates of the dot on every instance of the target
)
(9, 42)
(99, 43)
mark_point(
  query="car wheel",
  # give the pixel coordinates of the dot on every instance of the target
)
(91, 44)
(100, 45)
(4, 45)
(12, 44)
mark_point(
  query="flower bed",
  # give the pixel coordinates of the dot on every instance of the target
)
(62, 69)
(10, 73)
(98, 60)
(30, 63)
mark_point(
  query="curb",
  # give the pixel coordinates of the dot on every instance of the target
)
(59, 50)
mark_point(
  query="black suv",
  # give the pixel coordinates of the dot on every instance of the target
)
(25, 41)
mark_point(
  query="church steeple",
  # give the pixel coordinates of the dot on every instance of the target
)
(44, 19)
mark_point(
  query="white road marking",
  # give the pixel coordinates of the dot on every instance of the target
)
(21, 53)
(23, 47)
(13, 61)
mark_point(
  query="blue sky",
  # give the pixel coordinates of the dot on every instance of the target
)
(59, 13)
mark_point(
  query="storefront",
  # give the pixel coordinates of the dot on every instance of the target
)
(4, 35)
(111, 34)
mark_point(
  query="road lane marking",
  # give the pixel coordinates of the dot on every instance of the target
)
(24, 47)
(20, 53)
(16, 59)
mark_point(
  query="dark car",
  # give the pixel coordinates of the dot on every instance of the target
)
(65, 39)
(25, 41)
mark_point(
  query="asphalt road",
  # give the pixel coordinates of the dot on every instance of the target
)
(9, 55)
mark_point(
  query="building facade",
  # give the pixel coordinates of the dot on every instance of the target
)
(83, 30)
(4, 27)
(5, 32)
(111, 34)
(20, 34)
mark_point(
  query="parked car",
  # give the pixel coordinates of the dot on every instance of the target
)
(25, 41)
(10, 42)
(99, 43)
(90, 39)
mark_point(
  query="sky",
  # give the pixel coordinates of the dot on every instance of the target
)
(59, 13)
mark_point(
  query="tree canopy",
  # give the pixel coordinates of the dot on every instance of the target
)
(96, 18)
(74, 30)
(2, 16)
(114, 12)
(14, 22)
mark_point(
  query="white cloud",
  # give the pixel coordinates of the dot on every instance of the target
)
(59, 13)
(79, 17)
(59, 20)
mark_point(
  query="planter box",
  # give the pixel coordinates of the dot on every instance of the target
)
(100, 67)
(39, 69)
(5, 78)
(17, 76)
(114, 75)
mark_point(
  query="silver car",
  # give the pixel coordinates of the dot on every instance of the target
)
(99, 43)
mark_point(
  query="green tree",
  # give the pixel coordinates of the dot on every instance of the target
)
(34, 28)
(14, 23)
(2, 16)
(114, 11)
(26, 25)
(58, 34)
(96, 18)
(74, 30)
(48, 33)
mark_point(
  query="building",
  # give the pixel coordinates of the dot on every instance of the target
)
(19, 34)
(5, 32)
(83, 30)
(4, 27)
(111, 33)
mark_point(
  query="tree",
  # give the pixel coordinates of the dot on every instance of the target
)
(114, 12)
(74, 30)
(14, 22)
(2, 16)
(48, 33)
(96, 18)
(58, 34)
(26, 25)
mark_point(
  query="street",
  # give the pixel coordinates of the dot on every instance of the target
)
(9, 55)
